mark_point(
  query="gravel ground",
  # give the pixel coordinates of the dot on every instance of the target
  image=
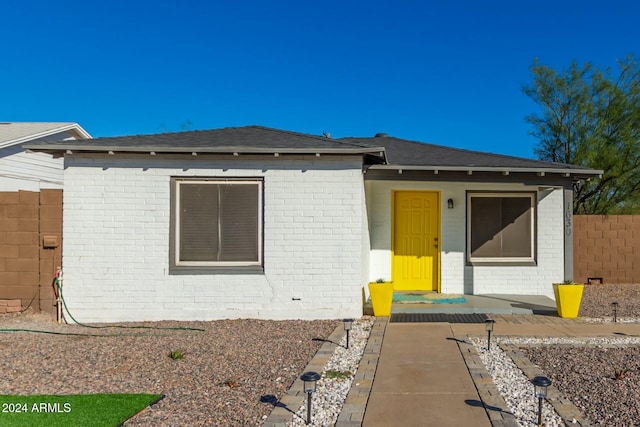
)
(598, 376)
(604, 382)
(597, 299)
(228, 368)
(219, 382)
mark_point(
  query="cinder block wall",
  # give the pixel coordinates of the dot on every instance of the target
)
(607, 247)
(50, 257)
(26, 272)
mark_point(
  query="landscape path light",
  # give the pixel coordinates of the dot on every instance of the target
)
(540, 383)
(614, 306)
(348, 323)
(310, 379)
(488, 324)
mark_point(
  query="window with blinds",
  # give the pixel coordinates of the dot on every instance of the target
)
(501, 227)
(217, 222)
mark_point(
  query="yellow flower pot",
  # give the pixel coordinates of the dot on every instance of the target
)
(381, 298)
(568, 297)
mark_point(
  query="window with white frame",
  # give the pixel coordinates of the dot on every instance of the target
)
(216, 223)
(501, 227)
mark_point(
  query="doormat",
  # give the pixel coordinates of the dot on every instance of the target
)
(437, 317)
(427, 298)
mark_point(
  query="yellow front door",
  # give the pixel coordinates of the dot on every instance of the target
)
(416, 245)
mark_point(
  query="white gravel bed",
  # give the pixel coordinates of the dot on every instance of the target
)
(594, 341)
(610, 319)
(331, 393)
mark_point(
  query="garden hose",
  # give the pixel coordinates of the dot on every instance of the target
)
(59, 289)
(64, 303)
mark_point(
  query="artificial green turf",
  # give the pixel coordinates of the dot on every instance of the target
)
(98, 410)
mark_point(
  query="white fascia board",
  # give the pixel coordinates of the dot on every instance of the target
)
(500, 169)
(236, 151)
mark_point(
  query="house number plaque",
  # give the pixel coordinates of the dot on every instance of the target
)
(568, 215)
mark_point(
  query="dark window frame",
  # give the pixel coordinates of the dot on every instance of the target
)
(502, 260)
(177, 266)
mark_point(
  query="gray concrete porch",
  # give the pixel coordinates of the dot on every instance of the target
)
(487, 304)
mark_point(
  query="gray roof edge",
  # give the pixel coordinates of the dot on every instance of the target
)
(515, 169)
(64, 146)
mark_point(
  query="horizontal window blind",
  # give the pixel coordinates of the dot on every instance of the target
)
(199, 238)
(501, 227)
(219, 222)
(238, 218)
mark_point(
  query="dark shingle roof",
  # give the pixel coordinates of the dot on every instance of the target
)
(403, 152)
(383, 151)
(247, 139)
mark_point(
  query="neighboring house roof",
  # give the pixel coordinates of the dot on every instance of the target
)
(387, 152)
(12, 133)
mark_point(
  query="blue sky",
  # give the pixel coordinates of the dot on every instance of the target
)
(444, 72)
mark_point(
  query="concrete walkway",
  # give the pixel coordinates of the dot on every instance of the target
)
(422, 380)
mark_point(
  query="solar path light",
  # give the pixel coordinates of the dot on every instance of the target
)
(310, 379)
(348, 323)
(488, 324)
(540, 384)
(614, 307)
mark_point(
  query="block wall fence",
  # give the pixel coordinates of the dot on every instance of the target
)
(606, 247)
(27, 268)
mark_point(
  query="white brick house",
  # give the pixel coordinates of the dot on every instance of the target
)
(255, 222)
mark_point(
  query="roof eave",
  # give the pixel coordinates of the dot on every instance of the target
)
(88, 148)
(568, 172)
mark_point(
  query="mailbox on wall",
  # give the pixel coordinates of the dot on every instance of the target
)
(50, 242)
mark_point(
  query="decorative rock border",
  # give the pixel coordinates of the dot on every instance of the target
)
(352, 413)
(493, 402)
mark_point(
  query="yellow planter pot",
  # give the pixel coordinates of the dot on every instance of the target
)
(381, 298)
(568, 299)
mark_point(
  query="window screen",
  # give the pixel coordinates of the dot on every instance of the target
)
(218, 222)
(501, 227)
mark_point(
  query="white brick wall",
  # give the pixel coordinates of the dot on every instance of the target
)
(116, 241)
(456, 277)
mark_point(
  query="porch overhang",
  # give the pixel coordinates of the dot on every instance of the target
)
(441, 172)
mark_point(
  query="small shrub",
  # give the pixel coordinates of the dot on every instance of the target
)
(335, 374)
(619, 374)
(231, 383)
(176, 355)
